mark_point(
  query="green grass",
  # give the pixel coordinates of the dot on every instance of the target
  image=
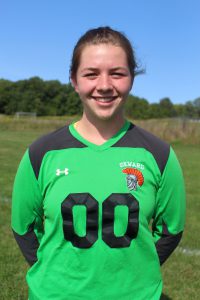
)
(181, 272)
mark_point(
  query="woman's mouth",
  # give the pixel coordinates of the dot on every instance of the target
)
(105, 99)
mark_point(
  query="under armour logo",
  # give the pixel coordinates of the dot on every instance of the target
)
(59, 172)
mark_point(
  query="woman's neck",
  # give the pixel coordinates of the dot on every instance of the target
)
(100, 131)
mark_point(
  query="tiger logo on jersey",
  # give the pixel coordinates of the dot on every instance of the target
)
(134, 178)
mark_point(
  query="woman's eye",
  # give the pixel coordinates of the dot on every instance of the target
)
(90, 75)
(118, 75)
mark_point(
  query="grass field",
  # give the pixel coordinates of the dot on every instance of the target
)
(181, 272)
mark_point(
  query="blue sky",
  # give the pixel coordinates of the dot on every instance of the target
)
(37, 39)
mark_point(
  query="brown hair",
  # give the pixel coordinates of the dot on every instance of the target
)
(103, 35)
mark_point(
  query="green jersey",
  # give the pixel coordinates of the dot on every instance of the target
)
(81, 214)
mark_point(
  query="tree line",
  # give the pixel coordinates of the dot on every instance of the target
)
(55, 99)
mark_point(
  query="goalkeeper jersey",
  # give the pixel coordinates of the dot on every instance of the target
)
(81, 214)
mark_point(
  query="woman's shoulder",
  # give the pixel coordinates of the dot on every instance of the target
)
(56, 140)
(137, 137)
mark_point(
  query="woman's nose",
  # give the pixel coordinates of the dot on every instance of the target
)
(104, 83)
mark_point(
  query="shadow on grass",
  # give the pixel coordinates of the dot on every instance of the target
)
(165, 297)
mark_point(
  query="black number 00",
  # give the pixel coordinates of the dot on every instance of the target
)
(109, 205)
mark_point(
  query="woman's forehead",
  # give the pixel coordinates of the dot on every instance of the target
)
(103, 54)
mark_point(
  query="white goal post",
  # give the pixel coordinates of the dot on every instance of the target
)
(20, 114)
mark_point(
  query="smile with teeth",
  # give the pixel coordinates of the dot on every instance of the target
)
(104, 99)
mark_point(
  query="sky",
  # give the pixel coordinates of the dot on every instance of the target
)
(37, 39)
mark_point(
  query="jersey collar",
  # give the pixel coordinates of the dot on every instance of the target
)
(115, 138)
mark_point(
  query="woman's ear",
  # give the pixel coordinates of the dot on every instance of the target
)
(74, 83)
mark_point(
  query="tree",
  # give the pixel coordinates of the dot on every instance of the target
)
(5, 89)
(166, 108)
(137, 108)
(196, 104)
(54, 98)
(191, 109)
(154, 111)
(180, 110)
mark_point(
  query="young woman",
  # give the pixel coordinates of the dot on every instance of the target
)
(84, 196)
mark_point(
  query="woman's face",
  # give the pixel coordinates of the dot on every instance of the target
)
(103, 81)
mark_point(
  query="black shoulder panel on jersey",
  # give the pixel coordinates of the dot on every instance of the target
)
(137, 137)
(57, 140)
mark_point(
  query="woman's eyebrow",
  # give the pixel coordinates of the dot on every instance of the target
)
(119, 68)
(96, 69)
(89, 69)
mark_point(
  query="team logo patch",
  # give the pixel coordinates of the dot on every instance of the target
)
(134, 178)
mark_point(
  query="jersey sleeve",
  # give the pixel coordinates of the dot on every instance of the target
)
(27, 210)
(169, 218)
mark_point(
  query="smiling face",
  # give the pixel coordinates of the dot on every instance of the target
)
(103, 81)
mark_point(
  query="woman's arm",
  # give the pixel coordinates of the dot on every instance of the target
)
(27, 212)
(169, 218)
